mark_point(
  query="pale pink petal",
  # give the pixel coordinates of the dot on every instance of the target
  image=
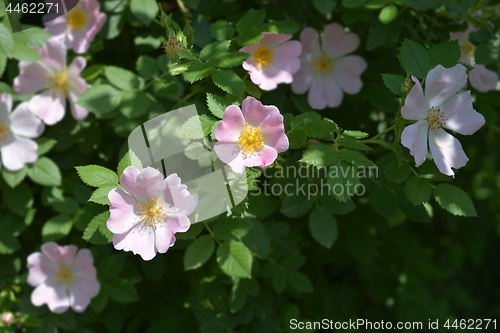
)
(5, 106)
(483, 79)
(254, 112)
(309, 39)
(57, 26)
(77, 111)
(460, 115)
(291, 48)
(48, 107)
(128, 180)
(231, 126)
(348, 72)
(55, 51)
(272, 40)
(264, 156)
(442, 83)
(273, 133)
(59, 254)
(150, 181)
(446, 151)
(54, 295)
(337, 43)
(163, 238)
(19, 152)
(302, 80)
(40, 269)
(325, 92)
(414, 137)
(80, 293)
(140, 240)
(77, 65)
(122, 211)
(83, 265)
(178, 223)
(177, 195)
(25, 123)
(273, 76)
(415, 107)
(230, 154)
(33, 77)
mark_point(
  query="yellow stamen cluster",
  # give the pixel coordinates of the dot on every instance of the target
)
(172, 45)
(264, 57)
(76, 19)
(59, 83)
(468, 49)
(435, 118)
(151, 212)
(65, 275)
(250, 140)
(4, 130)
(323, 64)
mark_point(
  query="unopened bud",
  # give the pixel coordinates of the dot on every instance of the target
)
(188, 29)
(406, 86)
(7, 318)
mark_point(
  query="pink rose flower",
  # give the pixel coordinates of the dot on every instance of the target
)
(15, 130)
(441, 107)
(62, 277)
(145, 218)
(274, 60)
(78, 28)
(327, 73)
(480, 77)
(56, 81)
(252, 136)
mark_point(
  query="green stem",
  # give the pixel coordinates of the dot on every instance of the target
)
(188, 96)
(379, 135)
(182, 8)
(211, 233)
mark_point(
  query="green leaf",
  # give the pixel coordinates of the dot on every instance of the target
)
(221, 30)
(96, 175)
(486, 54)
(231, 229)
(228, 60)
(251, 20)
(293, 262)
(320, 155)
(280, 280)
(198, 252)
(445, 54)
(197, 127)
(134, 104)
(66, 205)
(343, 179)
(257, 238)
(25, 53)
(248, 38)
(111, 266)
(6, 41)
(384, 201)
(99, 302)
(13, 178)
(355, 157)
(122, 290)
(418, 190)
(10, 226)
(198, 71)
(397, 173)
(193, 231)
(352, 143)
(454, 200)
(97, 232)
(388, 14)
(323, 226)
(100, 195)
(319, 128)
(296, 205)
(414, 58)
(377, 37)
(214, 49)
(235, 259)
(122, 78)
(147, 67)
(144, 10)
(91, 73)
(296, 137)
(393, 83)
(100, 98)
(45, 172)
(56, 228)
(45, 145)
(229, 81)
(325, 6)
(217, 105)
(300, 282)
(130, 159)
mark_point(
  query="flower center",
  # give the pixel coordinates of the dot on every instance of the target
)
(264, 57)
(65, 275)
(435, 118)
(324, 64)
(172, 45)
(151, 212)
(59, 82)
(250, 140)
(468, 48)
(76, 19)
(4, 130)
